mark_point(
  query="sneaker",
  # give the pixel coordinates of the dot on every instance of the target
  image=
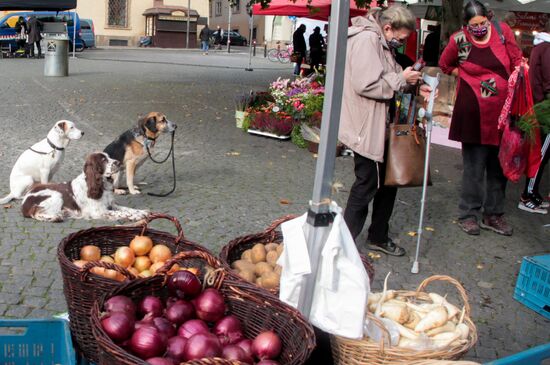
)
(389, 247)
(496, 223)
(470, 226)
(540, 200)
(532, 205)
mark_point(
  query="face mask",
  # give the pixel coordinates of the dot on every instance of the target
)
(395, 43)
(478, 32)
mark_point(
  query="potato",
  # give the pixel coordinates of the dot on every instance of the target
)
(248, 275)
(261, 268)
(270, 280)
(280, 249)
(258, 253)
(242, 265)
(272, 257)
(259, 281)
(247, 255)
(278, 269)
(271, 246)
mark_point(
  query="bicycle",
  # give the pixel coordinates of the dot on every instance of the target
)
(278, 54)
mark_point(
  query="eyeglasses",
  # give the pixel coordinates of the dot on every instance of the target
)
(479, 25)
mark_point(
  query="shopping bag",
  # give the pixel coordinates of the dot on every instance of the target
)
(295, 56)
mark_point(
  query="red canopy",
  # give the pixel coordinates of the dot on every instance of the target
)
(317, 9)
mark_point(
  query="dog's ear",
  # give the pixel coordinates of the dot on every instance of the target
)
(93, 171)
(151, 124)
(61, 127)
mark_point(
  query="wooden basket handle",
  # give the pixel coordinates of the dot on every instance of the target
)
(174, 220)
(210, 260)
(385, 333)
(85, 271)
(451, 280)
(276, 223)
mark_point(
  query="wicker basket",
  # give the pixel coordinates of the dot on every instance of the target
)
(257, 311)
(234, 249)
(361, 352)
(82, 288)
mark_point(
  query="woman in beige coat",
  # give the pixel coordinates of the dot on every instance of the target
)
(372, 77)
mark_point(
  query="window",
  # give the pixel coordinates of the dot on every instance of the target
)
(117, 13)
(236, 6)
(218, 8)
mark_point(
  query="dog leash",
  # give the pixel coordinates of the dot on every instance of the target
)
(171, 152)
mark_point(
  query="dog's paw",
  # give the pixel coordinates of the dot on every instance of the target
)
(135, 191)
(120, 192)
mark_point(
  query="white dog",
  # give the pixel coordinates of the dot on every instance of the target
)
(88, 196)
(39, 163)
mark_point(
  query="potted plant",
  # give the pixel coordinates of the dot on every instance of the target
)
(242, 101)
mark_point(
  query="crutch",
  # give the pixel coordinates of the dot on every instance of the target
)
(425, 113)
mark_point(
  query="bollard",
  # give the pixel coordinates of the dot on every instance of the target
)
(265, 50)
(228, 46)
(254, 49)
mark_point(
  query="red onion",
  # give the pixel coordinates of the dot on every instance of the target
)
(179, 312)
(267, 362)
(170, 301)
(229, 330)
(159, 361)
(192, 327)
(267, 345)
(165, 327)
(210, 305)
(175, 348)
(202, 345)
(184, 284)
(151, 305)
(234, 352)
(147, 342)
(120, 303)
(246, 345)
(118, 325)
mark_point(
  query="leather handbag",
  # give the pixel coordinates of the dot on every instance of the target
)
(295, 56)
(406, 149)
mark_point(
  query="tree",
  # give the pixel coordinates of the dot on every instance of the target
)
(451, 18)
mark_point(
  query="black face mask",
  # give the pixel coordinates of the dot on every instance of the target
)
(395, 43)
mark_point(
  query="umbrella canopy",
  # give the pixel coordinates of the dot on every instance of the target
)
(53, 5)
(316, 9)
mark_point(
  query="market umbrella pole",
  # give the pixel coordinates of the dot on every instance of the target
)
(433, 82)
(74, 34)
(319, 217)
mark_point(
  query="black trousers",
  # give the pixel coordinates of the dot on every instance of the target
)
(368, 186)
(532, 184)
(483, 182)
(37, 47)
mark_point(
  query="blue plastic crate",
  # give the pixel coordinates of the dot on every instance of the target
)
(36, 342)
(533, 285)
(534, 356)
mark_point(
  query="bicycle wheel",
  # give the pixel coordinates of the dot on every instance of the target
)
(273, 54)
(284, 56)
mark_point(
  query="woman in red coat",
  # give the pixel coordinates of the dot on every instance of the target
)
(482, 55)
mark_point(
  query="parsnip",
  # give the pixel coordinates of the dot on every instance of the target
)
(464, 331)
(397, 312)
(383, 297)
(438, 299)
(423, 308)
(414, 318)
(435, 318)
(447, 327)
(421, 343)
(405, 332)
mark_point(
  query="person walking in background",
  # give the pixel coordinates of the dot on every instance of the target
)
(372, 76)
(21, 29)
(299, 46)
(218, 38)
(204, 36)
(34, 27)
(539, 74)
(482, 61)
(316, 48)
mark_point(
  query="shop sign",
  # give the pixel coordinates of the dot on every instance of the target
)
(173, 18)
(529, 21)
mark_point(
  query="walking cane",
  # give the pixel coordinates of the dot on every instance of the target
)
(425, 113)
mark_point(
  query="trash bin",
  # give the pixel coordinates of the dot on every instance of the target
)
(57, 57)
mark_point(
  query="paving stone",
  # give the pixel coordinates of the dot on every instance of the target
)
(17, 311)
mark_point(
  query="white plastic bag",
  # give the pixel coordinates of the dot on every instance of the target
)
(342, 283)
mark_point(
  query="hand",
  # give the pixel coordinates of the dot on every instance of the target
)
(411, 76)
(425, 91)
(455, 72)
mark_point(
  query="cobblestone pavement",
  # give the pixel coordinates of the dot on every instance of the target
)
(231, 183)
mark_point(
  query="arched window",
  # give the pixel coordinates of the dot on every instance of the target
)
(117, 13)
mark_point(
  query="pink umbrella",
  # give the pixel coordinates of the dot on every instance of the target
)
(316, 9)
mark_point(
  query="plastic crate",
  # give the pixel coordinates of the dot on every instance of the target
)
(533, 285)
(534, 356)
(36, 342)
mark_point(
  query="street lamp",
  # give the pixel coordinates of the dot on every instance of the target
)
(229, 26)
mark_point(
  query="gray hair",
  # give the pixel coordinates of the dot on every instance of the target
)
(398, 17)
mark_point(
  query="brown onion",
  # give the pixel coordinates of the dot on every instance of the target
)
(157, 265)
(145, 274)
(90, 253)
(80, 263)
(141, 245)
(160, 253)
(107, 258)
(133, 270)
(124, 256)
(142, 263)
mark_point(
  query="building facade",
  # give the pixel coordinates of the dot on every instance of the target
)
(122, 22)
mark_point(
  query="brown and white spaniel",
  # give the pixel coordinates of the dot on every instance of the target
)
(88, 196)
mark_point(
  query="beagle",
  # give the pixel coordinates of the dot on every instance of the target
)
(130, 148)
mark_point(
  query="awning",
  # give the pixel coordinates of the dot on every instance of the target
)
(54, 5)
(316, 9)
